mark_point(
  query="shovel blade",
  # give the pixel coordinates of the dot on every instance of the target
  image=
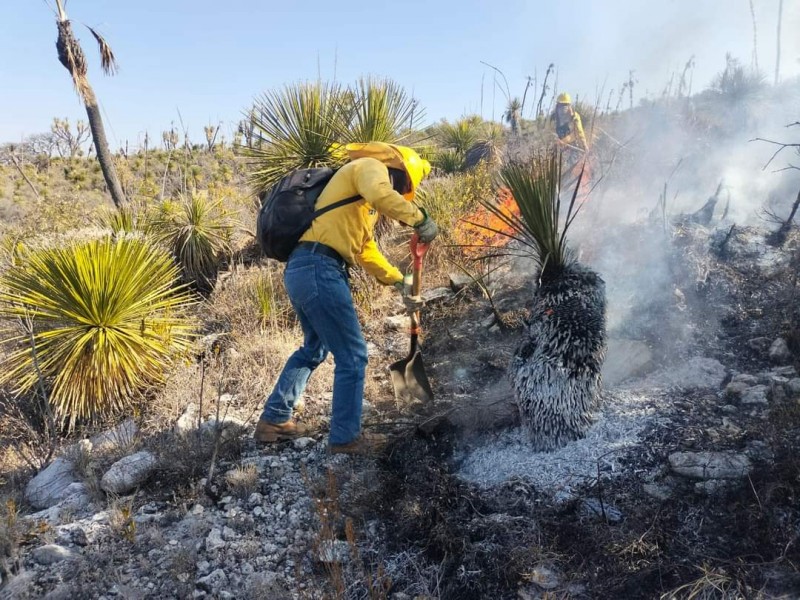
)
(410, 380)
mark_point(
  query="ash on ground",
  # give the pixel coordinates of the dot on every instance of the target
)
(491, 458)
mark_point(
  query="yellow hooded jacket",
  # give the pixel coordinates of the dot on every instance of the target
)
(349, 228)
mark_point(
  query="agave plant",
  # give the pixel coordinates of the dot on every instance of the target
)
(381, 112)
(197, 230)
(297, 127)
(555, 371)
(105, 322)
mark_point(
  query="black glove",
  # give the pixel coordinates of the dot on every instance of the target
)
(427, 229)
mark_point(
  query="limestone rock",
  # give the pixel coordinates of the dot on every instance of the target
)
(128, 472)
(121, 436)
(755, 395)
(52, 553)
(187, 421)
(779, 351)
(49, 487)
(710, 465)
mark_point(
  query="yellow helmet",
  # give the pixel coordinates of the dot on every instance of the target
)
(397, 157)
(564, 98)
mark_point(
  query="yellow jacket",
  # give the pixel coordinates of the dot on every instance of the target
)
(348, 229)
(569, 128)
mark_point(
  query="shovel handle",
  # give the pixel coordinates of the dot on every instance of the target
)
(418, 250)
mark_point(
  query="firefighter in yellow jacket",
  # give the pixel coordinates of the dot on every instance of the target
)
(569, 127)
(386, 177)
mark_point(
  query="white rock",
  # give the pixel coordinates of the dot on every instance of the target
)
(128, 472)
(710, 465)
(52, 553)
(213, 582)
(302, 443)
(187, 421)
(437, 294)
(735, 389)
(214, 540)
(397, 322)
(779, 351)
(793, 386)
(755, 395)
(120, 436)
(50, 485)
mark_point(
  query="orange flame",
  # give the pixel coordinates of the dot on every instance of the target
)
(474, 232)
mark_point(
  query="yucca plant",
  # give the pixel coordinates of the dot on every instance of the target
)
(381, 112)
(297, 127)
(448, 161)
(127, 219)
(197, 230)
(105, 322)
(555, 370)
(459, 136)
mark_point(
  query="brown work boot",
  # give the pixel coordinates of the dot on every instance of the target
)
(267, 432)
(364, 444)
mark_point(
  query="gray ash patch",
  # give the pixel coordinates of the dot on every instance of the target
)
(490, 459)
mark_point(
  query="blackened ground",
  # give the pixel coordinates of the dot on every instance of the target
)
(514, 541)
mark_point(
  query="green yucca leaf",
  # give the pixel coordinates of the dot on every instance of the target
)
(538, 230)
(197, 230)
(461, 135)
(294, 128)
(107, 320)
(381, 111)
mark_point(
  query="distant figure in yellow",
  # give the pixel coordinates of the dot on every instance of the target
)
(569, 127)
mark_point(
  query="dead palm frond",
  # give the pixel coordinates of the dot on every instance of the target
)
(107, 60)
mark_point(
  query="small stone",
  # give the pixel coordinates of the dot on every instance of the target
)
(128, 472)
(303, 443)
(735, 389)
(545, 577)
(458, 281)
(779, 351)
(52, 553)
(785, 371)
(49, 487)
(755, 395)
(759, 344)
(745, 378)
(711, 486)
(213, 581)
(214, 540)
(710, 465)
(793, 386)
(658, 491)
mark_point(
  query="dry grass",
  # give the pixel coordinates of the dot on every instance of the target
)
(242, 480)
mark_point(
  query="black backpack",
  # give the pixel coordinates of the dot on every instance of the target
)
(287, 210)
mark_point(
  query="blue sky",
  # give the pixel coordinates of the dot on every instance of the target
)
(204, 60)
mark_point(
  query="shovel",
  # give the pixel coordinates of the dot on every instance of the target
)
(408, 375)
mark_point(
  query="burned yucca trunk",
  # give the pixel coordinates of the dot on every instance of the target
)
(555, 371)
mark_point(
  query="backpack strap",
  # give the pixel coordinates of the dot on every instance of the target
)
(336, 204)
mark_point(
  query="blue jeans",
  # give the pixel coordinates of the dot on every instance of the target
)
(320, 294)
